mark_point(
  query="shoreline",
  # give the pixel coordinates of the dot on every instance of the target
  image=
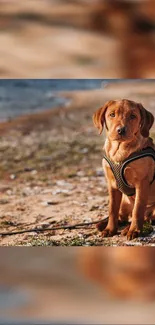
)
(77, 100)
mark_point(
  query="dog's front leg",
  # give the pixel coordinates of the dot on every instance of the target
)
(114, 205)
(141, 198)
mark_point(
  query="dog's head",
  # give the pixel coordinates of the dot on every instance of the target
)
(123, 119)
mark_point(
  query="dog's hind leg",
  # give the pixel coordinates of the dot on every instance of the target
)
(125, 209)
(150, 215)
(125, 213)
(153, 216)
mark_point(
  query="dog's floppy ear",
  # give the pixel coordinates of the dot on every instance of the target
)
(99, 116)
(147, 120)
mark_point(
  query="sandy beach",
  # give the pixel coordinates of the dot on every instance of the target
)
(51, 174)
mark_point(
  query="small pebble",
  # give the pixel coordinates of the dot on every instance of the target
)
(12, 176)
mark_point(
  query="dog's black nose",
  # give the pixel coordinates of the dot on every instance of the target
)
(121, 130)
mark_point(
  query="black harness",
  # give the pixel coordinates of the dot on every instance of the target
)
(118, 169)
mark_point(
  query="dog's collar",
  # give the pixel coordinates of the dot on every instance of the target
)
(118, 168)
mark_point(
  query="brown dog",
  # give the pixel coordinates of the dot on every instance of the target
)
(132, 185)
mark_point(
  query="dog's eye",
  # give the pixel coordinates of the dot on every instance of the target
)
(132, 116)
(112, 114)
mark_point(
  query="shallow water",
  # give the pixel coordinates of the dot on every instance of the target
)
(23, 96)
(26, 96)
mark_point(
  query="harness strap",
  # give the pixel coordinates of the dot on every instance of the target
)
(118, 169)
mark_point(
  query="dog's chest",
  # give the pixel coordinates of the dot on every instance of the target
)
(134, 172)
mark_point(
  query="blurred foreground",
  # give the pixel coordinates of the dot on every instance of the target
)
(47, 285)
(77, 39)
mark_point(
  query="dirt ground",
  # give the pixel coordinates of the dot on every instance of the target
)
(51, 174)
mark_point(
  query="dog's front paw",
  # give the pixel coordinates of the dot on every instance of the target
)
(132, 234)
(108, 232)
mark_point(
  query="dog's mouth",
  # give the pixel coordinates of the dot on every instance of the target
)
(122, 138)
(126, 136)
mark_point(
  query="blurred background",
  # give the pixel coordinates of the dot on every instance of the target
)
(50, 162)
(77, 39)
